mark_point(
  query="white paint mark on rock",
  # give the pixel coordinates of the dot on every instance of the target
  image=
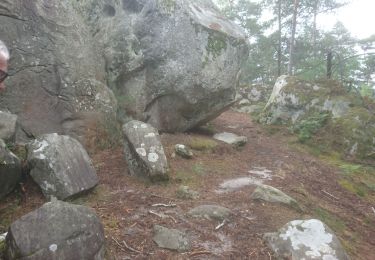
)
(141, 151)
(153, 157)
(53, 248)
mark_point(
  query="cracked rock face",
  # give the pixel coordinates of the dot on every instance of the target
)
(61, 166)
(144, 152)
(58, 76)
(306, 239)
(57, 230)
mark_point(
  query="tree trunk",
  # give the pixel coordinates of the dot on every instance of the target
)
(314, 27)
(292, 38)
(279, 39)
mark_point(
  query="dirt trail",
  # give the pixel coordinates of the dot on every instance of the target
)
(125, 203)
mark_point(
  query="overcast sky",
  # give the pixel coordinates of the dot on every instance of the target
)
(358, 17)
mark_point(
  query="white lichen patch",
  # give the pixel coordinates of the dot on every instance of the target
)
(40, 156)
(150, 135)
(143, 126)
(53, 248)
(153, 157)
(141, 151)
(310, 235)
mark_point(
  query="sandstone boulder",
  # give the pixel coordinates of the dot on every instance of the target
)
(61, 166)
(58, 75)
(57, 230)
(144, 152)
(173, 64)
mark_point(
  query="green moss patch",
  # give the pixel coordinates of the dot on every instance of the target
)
(202, 144)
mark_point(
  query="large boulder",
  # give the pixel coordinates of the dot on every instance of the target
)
(252, 98)
(306, 239)
(57, 230)
(172, 63)
(10, 170)
(347, 124)
(60, 166)
(58, 75)
(8, 123)
(144, 152)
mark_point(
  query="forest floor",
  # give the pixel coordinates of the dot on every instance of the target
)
(125, 204)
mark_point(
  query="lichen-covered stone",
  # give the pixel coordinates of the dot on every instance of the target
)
(60, 166)
(10, 170)
(306, 239)
(171, 239)
(183, 151)
(144, 152)
(57, 230)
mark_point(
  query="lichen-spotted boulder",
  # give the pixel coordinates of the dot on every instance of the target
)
(172, 63)
(144, 152)
(306, 239)
(57, 230)
(60, 166)
(10, 170)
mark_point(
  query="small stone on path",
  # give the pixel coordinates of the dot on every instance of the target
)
(171, 239)
(211, 212)
(183, 151)
(232, 139)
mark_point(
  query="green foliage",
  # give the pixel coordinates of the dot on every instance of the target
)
(357, 179)
(366, 91)
(308, 127)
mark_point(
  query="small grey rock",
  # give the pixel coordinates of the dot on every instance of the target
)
(184, 192)
(273, 195)
(183, 151)
(171, 239)
(213, 212)
(232, 139)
